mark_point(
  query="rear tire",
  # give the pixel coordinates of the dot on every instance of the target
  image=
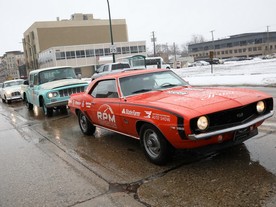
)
(29, 105)
(86, 126)
(156, 148)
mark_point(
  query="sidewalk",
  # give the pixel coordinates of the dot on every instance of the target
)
(41, 174)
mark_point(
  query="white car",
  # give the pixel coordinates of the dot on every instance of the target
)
(11, 90)
(110, 68)
(200, 63)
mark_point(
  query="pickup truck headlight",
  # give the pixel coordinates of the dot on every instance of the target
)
(202, 123)
(260, 106)
(52, 94)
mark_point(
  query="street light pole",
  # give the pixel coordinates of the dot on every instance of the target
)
(111, 34)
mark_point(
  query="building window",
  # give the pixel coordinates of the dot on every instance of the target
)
(226, 52)
(70, 55)
(259, 48)
(60, 55)
(90, 53)
(222, 52)
(230, 51)
(229, 44)
(240, 50)
(142, 48)
(80, 53)
(249, 49)
(235, 51)
(125, 50)
(254, 48)
(99, 52)
(133, 49)
(244, 50)
(107, 51)
(119, 50)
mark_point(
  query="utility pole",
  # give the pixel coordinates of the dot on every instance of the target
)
(113, 49)
(153, 39)
(212, 53)
(267, 39)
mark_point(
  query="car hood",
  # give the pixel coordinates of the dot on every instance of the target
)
(13, 88)
(61, 83)
(200, 100)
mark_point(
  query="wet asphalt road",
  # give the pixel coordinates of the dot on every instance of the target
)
(118, 173)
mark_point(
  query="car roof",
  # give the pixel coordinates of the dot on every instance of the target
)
(130, 72)
(50, 68)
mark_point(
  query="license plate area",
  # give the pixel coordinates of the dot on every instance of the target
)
(243, 134)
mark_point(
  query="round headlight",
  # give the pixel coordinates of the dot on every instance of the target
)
(52, 94)
(202, 123)
(260, 107)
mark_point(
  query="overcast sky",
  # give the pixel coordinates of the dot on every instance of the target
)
(171, 20)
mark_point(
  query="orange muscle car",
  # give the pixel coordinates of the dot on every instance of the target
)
(165, 113)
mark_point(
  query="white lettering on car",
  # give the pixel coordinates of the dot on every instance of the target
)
(131, 112)
(88, 104)
(106, 116)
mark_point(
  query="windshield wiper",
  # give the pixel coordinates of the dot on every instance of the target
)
(142, 90)
(168, 85)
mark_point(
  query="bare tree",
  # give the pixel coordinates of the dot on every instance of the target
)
(196, 38)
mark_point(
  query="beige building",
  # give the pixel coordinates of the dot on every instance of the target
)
(10, 65)
(81, 29)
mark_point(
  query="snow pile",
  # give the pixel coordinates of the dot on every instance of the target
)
(256, 72)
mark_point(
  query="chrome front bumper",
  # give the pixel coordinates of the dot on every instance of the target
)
(231, 129)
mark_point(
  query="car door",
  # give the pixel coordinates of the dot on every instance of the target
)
(36, 90)
(105, 104)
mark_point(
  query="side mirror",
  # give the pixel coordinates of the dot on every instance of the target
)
(26, 82)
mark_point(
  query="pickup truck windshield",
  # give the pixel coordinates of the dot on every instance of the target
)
(57, 74)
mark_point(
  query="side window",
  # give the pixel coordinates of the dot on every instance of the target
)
(106, 68)
(31, 79)
(105, 89)
(35, 79)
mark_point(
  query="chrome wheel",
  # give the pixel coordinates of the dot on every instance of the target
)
(156, 147)
(85, 125)
(151, 143)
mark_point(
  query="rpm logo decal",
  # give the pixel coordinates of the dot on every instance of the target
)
(106, 116)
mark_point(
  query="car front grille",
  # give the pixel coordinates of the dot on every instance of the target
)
(69, 91)
(16, 93)
(232, 117)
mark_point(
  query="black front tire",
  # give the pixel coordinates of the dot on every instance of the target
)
(156, 148)
(86, 126)
(47, 111)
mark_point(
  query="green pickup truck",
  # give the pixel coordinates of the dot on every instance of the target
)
(50, 88)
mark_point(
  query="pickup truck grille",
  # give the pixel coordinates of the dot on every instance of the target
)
(69, 91)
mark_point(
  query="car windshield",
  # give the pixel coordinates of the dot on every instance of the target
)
(149, 82)
(13, 83)
(56, 74)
